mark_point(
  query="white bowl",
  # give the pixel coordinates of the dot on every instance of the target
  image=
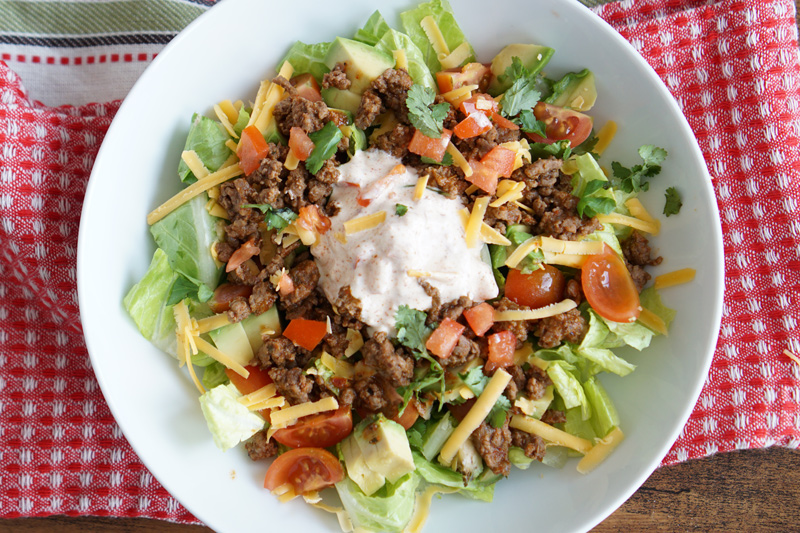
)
(224, 54)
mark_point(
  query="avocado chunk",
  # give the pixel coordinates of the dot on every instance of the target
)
(367, 480)
(533, 56)
(384, 446)
(343, 99)
(576, 90)
(232, 340)
(254, 324)
(363, 63)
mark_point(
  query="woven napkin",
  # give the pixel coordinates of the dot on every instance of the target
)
(733, 67)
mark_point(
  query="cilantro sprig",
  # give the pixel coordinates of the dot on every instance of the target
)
(632, 180)
(275, 218)
(426, 118)
(523, 93)
(673, 203)
(325, 142)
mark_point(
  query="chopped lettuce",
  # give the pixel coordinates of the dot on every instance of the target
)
(214, 375)
(589, 185)
(604, 414)
(241, 121)
(441, 475)
(229, 421)
(568, 387)
(308, 58)
(417, 69)
(207, 138)
(146, 303)
(607, 360)
(442, 13)
(373, 30)
(186, 236)
(389, 509)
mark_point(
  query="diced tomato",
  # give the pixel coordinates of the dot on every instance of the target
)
(500, 159)
(408, 416)
(483, 176)
(320, 430)
(472, 126)
(538, 289)
(480, 318)
(480, 103)
(225, 293)
(561, 124)
(285, 284)
(502, 346)
(307, 87)
(608, 287)
(424, 146)
(305, 469)
(311, 219)
(306, 333)
(470, 74)
(444, 338)
(252, 149)
(300, 143)
(242, 254)
(257, 379)
(503, 122)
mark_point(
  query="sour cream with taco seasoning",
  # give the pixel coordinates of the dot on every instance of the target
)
(384, 264)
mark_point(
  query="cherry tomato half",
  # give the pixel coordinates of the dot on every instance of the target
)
(608, 287)
(561, 124)
(225, 293)
(305, 469)
(538, 289)
(320, 430)
(408, 416)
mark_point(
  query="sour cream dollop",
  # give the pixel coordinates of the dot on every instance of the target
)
(375, 263)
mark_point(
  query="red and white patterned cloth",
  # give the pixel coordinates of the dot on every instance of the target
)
(733, 66)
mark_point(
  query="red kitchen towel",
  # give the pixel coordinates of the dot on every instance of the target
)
(733, 66)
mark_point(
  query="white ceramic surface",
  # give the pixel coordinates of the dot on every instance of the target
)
(223, 55)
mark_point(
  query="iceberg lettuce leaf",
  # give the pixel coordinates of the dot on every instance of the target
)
(207, 138)
(446, 477)
(442, 13)
(373, 30)
(651, 300)
(229, 421)
(417, 69)
(146, 303)
(308, 58)
(568, 387)
(389, 509)
(186, 236)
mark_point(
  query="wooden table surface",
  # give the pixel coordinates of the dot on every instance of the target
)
(752, 491)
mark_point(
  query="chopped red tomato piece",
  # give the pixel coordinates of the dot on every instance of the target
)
(225, 293)
(483, 176)
(480, 103)
(242, 254)
(311, 219)
(608, 287)
(503, 122)
(470, 74)
(480, 318)
(305, 469)
(444, 338)
(538, 289)
(472, 126)
(424, 146)
(285, 284)
(502, 346)
(306, 333)
(300, 143)
(257, 379)
(561, 124)
(252, 149)
(500, 159)
(320, 430)
(307, 87)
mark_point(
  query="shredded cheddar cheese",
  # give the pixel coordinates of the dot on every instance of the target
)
(198, 187)
(653, 321)
(400, 59)
(419, 188)
(435, 37)
(289, 415)
(459, 159)
(230, 110)
(522, 251)
(605, 136)
(475, 221)
(223, 118)
(456, 57)
(623, 220)
(456, 96)
(677, 277)
(364, 223)
(600, 451)
(549, 433)
(204, 325)
(194, 163)
(534, 314)
(220, 357)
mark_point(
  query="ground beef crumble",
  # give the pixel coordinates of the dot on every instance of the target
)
(492, 444)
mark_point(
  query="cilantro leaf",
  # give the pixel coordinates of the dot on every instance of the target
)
(325, 142)
(673, 203)
(446, 161)
(559, 149)
(412, 332)
(591, 206)
(183, 288)
(523, 93)
(632, 179)
(275, 218)
(527, 122)
(428, 120)
(400, 209)
(476, 381)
